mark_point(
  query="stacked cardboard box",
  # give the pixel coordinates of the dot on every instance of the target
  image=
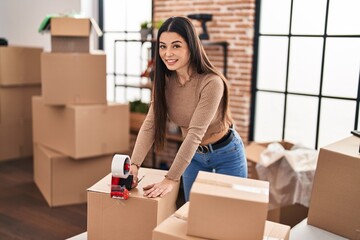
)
(19, 81)
(223, 207)
(76, 131)
(134, 218)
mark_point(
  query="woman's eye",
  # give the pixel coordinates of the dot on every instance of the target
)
(162, 46)
(176, 46)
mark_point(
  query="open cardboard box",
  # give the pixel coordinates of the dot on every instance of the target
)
(289, 215)
(69, 33)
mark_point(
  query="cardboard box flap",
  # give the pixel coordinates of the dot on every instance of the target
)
(348, 146)
(254, 149)
(62, 22)
(250, 189)
(276, 231)
(183, 211)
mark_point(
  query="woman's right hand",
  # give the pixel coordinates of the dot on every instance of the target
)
(134, 171)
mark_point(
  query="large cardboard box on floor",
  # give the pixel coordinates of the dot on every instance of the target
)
(82, 131)
(63, 180)
(289, 215)
(19, 65)
(15, 103)
(221, 203)
(335, 198)
(69, 34)
(73, 78)
(132, 219)
(15, 140)
(175, 227)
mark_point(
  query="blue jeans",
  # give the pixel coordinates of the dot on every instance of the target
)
(229, 160)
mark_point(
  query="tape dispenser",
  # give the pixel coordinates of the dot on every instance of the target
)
(121, 180)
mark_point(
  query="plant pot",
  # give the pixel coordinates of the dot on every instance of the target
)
(144, 33)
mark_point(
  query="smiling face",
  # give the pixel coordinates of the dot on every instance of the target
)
(174, 52)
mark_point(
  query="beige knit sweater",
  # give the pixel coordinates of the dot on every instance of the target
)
(196, 108)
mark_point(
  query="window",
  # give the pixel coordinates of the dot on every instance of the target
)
(120, 21)
(306, 71)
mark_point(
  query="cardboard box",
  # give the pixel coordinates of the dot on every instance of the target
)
(335, 198)
(174, 228)
(288, 215)
(19, 65)
(15, 103)
(15, 140)
(134, 218)
(73, 78)
(304, 231)
(82, 131)
(63, 180)
(69, 34)
(253, 151)
(221, 203)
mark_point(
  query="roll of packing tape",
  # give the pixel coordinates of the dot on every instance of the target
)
(120, 166)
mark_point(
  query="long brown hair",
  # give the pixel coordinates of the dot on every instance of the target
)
(199, 61)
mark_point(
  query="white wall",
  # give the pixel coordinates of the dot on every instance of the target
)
(20, 19)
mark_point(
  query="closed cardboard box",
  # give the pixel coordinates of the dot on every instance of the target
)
(15, 103)
(63, 180)
(220, 204)
(73, 78)
(132, 219)
(335, 197)
(82, 131)
(15, 140)
(174, 228)
(19, 65)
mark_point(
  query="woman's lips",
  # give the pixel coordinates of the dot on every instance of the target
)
(170, 61)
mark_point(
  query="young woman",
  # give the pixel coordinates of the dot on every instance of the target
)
(194, 95)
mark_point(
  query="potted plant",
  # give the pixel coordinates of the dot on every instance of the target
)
(138, 111)
(145, 29)
(156, 27)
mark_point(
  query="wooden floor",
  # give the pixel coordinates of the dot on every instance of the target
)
(24, 213)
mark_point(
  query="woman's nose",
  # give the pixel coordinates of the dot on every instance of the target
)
(169, 53)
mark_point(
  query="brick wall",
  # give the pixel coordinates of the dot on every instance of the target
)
(233, 21)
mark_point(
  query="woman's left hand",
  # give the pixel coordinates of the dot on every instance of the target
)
(159, 189)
